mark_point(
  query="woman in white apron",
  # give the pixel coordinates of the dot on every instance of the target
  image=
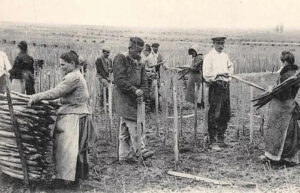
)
(74, 127)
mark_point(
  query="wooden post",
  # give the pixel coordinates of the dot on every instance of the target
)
(243, 110)
(206, 106)
(237, 113)
(17, 135)
(110, 90)
(251, 115)
(156, 107)
(105, 111)
(139, 129)
(181, 110)
(175, 131)
(165, 112)
(49, 79)
(40, 80)
(195, 112)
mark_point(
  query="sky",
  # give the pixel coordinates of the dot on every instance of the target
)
(244, 14)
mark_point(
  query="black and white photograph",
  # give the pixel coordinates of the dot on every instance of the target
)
(149, 96)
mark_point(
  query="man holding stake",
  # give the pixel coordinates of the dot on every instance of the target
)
(217, 68)
(131, 85)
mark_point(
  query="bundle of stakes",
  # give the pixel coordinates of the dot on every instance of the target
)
(263, 99)
(36, 126)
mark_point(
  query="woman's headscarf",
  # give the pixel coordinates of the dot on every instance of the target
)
(196, 48)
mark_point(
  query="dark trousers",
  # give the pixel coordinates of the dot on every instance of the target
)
(219, 109)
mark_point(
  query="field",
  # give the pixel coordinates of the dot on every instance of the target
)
(255, 55)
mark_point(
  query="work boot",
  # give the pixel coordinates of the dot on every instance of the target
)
(220, 141)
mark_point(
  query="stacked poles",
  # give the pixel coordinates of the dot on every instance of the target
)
(34, 126)
(17, 136)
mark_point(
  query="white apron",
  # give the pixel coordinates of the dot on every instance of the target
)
(67, 146)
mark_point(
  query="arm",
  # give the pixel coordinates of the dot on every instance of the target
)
(120, 75)
(197, 63)
(68, 84)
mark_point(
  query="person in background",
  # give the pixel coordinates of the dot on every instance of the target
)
(74, 132)
(130, 85)
(104, 70)
(147, 58)
(282, 135)
(157, 57)
(22, 72)
(196, 74)
(104, 66)
(4, 68)
(217, 68)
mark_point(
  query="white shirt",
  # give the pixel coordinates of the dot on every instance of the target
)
(215, 63)
(4, 63)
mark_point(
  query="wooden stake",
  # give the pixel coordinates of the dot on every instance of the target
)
(195, 112)
(17, 136)
(206, 106)
(156, 107)
(105, 111)
(243, 111)
(181, 110)
(40, 79)
(208, 180)
(165, 112)
(49, 79)
(139, 129)
(110, 90)
(175, 120)
(237, 118)
(251, 115)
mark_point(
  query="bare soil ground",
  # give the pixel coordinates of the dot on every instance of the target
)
(237, 163)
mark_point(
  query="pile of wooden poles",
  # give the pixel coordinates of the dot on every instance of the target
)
(263, 99)
(36, 128)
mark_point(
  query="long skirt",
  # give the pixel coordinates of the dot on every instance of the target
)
(74, 136)
(190, 94)
(282, 135)
(18, 85)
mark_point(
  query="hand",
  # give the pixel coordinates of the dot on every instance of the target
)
(105, 82)
(139, 100)
(30, 102)
(226, 75)
(139, 92)
(208, 83)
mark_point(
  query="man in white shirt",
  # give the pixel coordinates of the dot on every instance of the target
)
(216, 70)
(4, 68)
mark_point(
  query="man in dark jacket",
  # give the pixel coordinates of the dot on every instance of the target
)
(104, 66)
(130, 84)
(104, 70)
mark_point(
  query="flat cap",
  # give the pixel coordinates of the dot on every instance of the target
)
(136, 43)
(155, 45)
(106, 48)
(147, 47)
(218, 39)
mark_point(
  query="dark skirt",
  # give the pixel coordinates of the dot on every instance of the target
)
(86, 141)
